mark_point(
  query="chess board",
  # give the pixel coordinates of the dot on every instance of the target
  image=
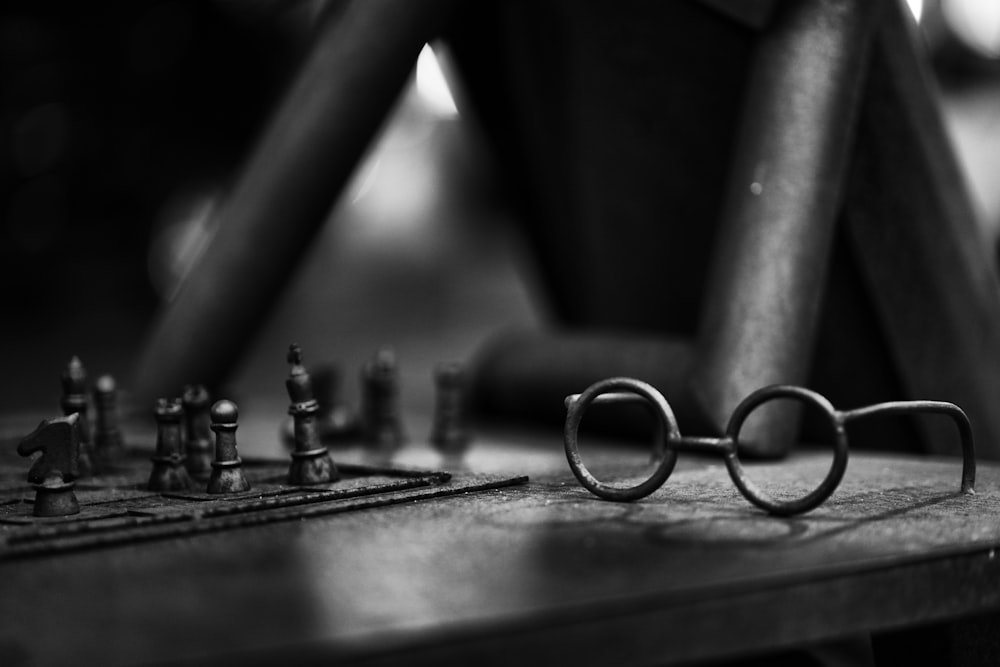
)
(117, 508)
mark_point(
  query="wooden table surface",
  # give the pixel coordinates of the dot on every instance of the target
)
(533, 574)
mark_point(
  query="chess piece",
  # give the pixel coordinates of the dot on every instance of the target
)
(336, 420)
(311, 462)
(449, 433)
(53, 472)
(74, 400)
(55, 497)
(227, 471)
(59, 442)
(380, 401)
(197, 432)
(108, 444)
(169, 473)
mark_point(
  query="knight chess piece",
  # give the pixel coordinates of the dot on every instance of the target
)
(449, 433)
(52, 475)
(74, 401)
(227, 469)
(311, 462)
(58, 440)
(108, 443)
(383, 427)
(197, 432)
(169, 473)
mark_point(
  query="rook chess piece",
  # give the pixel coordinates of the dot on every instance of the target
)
(53, 472)
(311, 462)
(74, 401)
(108, 445)
(168, 472)
(380, 401)
(198, 432)
(227, 471)
(449, 433)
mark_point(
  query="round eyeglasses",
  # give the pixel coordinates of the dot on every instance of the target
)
(629, 390)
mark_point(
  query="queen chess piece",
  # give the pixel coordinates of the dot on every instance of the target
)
(74, 401)
(109, 445)
(197, 432)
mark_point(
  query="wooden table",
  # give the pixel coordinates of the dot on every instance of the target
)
(539, 573)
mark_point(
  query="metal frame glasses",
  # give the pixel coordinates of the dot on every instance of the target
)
(630, 390)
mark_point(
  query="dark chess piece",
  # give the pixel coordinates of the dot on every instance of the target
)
(108, 444)
(380, 401)
(74, 400)
(53, 473)
(55, 496)
(59, 442)
(227, 471)
(336, 420)
(449, 433)
(169, 473)
(311, 462)
(197, 432)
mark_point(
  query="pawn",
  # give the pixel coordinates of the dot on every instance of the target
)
(74, 401)
(449, 433)
(108, 444)
(311, 462)
(197, 432)
(168, 472)
(55, 496)
(380, 401)
(227, 471)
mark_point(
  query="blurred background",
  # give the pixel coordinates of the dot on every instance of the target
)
(122, 125)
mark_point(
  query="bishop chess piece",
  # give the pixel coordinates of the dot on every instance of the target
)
(53, 473)
(311, 462)
(449, 433)
(227, 469)
(336, 420)
(74, 401)
(197, 432)
(108, 444)
(169, 473)
(383, 427)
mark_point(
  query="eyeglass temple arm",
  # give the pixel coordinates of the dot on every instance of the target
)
(930, 407)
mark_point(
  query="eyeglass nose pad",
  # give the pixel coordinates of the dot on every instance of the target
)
(750, 490)
(633, 390)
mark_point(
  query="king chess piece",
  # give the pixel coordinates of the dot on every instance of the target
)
(311, 462)
(227, 469)
(169, 473)
(74, 401)
(52, 475)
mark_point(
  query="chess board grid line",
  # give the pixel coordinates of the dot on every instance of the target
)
(154, 528)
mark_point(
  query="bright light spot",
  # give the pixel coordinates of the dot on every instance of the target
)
(916, 8)
(431, 84)
(976, 23)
